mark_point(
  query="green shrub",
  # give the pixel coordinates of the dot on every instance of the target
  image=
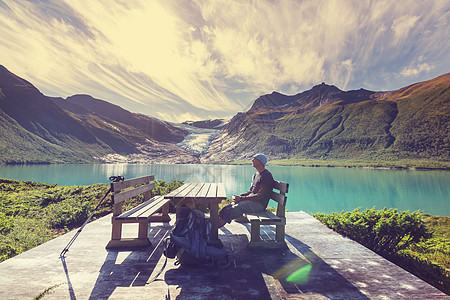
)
(33, 213)
(68, 214)
(416, 242)
(424, 268)
(163, 188)
(7, 250)
(384, 231)
(6, 223)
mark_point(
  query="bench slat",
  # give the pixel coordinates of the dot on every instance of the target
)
(132, 193)
(252, 217)
(135, 209)
(266, 215)
(120, 185)
(269, 222)
(283, 187)
(151, 210)
(139, 211)
(280, 199)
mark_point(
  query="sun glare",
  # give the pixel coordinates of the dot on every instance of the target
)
(148, 40)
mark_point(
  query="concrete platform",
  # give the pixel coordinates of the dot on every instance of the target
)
(319, 264)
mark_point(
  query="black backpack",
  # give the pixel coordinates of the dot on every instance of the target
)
(188, 241)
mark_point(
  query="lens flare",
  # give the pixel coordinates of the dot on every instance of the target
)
(300, 275)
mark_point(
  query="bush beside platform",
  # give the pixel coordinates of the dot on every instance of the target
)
(418, 243)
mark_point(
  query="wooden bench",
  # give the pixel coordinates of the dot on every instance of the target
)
(154, 209)
(269, 218)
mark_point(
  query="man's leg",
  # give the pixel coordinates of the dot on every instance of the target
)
(234, 211)
(222, 222)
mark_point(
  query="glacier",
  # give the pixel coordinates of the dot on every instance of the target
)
(198, 140)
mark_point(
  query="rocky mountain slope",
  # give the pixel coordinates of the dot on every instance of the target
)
(39, 129)
(325, 122)
(321, 123)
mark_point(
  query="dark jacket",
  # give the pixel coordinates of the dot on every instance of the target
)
(261, 188)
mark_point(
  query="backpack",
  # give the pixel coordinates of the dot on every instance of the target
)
(188, 241)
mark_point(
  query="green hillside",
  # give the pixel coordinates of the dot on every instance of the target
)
(34, 212)
(18, 145)
(409, 127)
(39, 129)
(422, 128)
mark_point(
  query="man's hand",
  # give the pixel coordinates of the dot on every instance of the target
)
(236, 198)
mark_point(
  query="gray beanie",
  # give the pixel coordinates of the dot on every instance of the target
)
(262, 158)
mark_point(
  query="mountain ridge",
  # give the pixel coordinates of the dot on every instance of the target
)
(327, 123)
(54, 130)
(159, 130)
(323, 123)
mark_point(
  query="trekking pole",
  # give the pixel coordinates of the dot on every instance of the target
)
(113, 179)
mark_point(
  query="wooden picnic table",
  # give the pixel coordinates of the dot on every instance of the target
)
(190, 194)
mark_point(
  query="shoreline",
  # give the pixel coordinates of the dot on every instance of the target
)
(278, 163)
(347, 164)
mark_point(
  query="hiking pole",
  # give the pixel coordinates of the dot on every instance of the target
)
(113, 179)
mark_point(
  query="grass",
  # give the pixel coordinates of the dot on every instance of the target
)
(356, 163)
(33, 213)
(47, 291)
(436, 248)
(429, 259)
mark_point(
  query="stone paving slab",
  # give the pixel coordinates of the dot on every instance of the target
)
(319, 264)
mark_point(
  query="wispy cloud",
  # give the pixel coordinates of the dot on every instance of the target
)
(211, 58)
(416, 68)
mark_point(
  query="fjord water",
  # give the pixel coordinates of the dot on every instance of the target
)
(311, 189)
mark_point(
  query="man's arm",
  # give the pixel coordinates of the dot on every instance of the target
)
(249, 196)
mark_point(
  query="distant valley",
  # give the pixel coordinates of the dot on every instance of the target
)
(323, 123)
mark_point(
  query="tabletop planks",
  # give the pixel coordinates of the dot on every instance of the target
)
(198, 191)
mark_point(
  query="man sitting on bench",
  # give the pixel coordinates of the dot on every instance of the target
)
(256, 199)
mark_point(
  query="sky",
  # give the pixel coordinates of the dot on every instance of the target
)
(193, 60)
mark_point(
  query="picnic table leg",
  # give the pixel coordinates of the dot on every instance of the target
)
(214, 219)
(214, 209)
(143, 230)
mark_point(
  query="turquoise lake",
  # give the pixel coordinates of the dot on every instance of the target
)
(311, 189)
